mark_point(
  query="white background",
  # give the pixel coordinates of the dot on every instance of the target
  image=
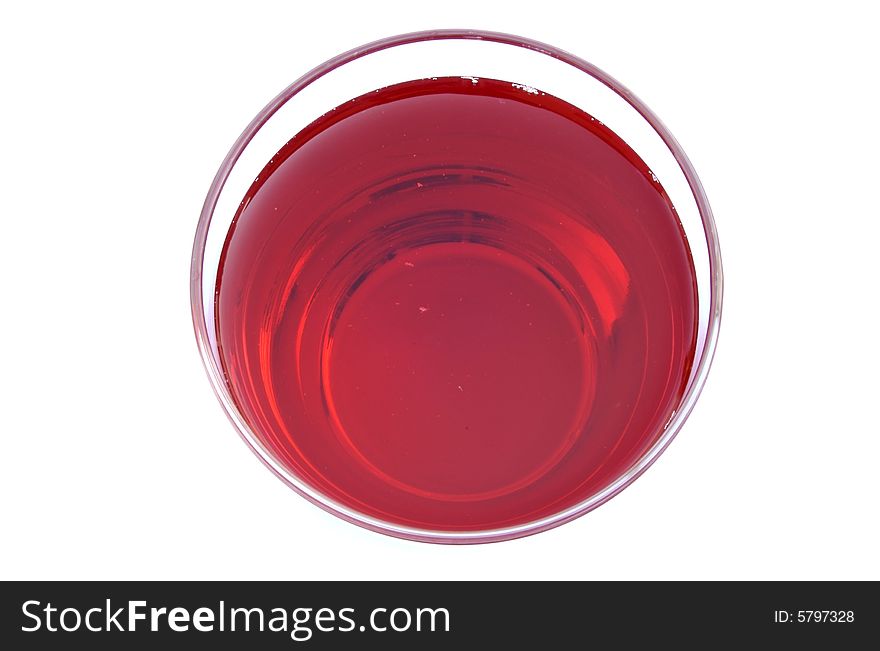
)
(116, 460)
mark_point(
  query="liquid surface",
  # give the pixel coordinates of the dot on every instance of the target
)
(456, 304)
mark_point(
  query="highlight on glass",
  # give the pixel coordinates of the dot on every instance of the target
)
(457, 286)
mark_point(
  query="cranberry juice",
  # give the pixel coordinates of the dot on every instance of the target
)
(456, 304)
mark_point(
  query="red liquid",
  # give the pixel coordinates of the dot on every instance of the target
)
(456, 304)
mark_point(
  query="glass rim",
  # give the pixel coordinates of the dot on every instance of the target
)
(699, 372)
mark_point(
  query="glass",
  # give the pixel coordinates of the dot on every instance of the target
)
(470, 55)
